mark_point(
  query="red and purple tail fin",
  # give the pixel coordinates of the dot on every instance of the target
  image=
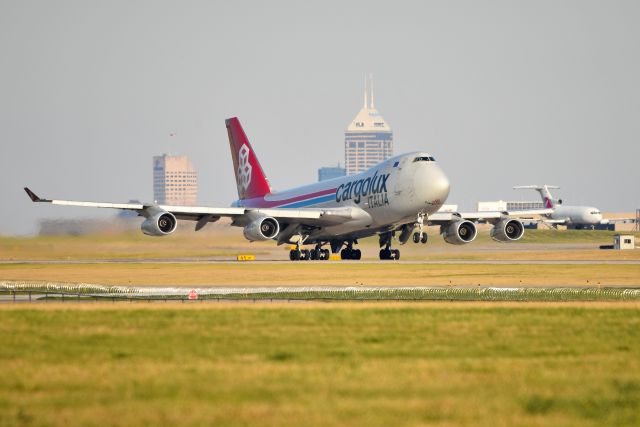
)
(548, 203)
(250, 177)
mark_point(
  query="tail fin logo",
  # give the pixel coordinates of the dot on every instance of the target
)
(547, 203)
(244, 167)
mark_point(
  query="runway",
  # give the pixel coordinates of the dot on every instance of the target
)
(345, 262)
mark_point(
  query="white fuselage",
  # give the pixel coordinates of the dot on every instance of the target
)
(578, 215)
(389, 194)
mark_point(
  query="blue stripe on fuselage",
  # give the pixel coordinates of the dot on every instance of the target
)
(309, 202)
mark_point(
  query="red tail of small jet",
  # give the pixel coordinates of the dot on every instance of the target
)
(250, 177)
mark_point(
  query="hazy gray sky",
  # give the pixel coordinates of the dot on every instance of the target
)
(501, 92)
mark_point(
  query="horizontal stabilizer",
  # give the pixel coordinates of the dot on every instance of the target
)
(535, 187)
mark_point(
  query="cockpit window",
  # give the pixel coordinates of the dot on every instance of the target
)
(424, 159)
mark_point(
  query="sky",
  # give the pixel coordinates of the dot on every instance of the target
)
(502, 93)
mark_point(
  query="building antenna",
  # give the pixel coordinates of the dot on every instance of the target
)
(365, 91)
(371, 84)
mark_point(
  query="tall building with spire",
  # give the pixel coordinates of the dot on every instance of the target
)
(368, 140)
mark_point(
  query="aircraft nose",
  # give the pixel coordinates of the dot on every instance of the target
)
(434, 184)
(441, 185)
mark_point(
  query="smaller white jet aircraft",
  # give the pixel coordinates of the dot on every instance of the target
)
(579, 217)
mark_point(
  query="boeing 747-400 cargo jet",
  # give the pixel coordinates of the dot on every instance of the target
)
(398, 196)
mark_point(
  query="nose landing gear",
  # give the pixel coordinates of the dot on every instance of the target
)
(420, 235)
(417, 238)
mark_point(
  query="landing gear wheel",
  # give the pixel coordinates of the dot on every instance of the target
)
(325, 253)
(386, 254)
(314, 254)
(305, 255)
(345, 254)
(356, 254)
(416, 237)
(295, 255)
(424, 238)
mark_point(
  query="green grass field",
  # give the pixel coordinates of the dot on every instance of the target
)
(320, 364)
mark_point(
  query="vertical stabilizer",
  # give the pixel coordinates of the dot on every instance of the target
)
(250, 177)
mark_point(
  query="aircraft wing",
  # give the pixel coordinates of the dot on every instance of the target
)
(618, 221)
(240, 215)
(439, 218)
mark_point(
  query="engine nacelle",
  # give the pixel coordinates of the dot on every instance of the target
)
(507, 230)
(459, 232)
(264, 228)
(159, 224)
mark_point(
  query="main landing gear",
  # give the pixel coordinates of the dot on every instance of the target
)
(387, 253)
(350, 253)
(305, 254)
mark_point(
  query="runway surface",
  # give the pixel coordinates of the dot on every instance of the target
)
(346, 262)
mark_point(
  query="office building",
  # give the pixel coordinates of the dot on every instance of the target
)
(175, 181)
(368, 139)
(330, 172)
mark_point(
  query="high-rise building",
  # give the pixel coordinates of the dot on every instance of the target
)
(175, 181)
(368, 140)
(330, 172)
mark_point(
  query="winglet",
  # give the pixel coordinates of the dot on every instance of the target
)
(33, 196)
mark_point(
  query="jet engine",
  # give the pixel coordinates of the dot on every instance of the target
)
(159, 224)
(507, 230)
(264, 228)
(459, 232)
